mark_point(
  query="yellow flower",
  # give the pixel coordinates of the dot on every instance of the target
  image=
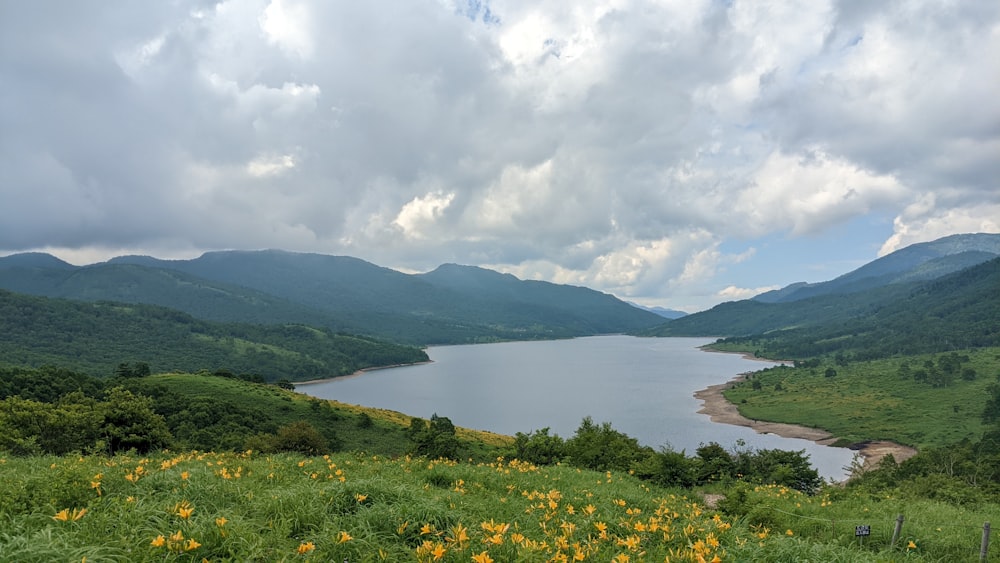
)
(305, 548)
(911, 545)
(177, 537)
(459, 534)
(360, 497)
(185, 512)
(589, 509)
(789, 533)
(482, 558)
(191, 545)
(221, 521)
(426, 529)
(620, 558)
(438, 552)
(65, 515)
(185, 475)
(158, 541)
(343, 537)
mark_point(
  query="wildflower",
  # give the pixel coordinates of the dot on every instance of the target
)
(438, 552)
(191, 545)
(344, 537)
(158, 541)
(360, 497)
(620, 558)
(459, 534)
(177, 537)
(65, 515)
(185, 512)
(482, 558)
(911, 545)
(185, 475)
(426, 529)
(221, 521)
(305, 548)
(789, 532)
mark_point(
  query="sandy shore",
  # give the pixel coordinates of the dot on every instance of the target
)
(721, 410)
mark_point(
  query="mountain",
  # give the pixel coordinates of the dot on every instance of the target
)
(452, 304)
(840, 302)
(954, 312)
(661, 311)
(917, 262)
(96, 337)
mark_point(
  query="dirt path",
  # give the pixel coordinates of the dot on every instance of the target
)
(721, 410)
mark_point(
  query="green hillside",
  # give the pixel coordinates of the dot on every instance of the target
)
(954, 312)
(96, 337)
(453, 304)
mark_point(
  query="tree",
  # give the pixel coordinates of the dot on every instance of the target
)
(437, 439)
(602, 448)
(130, 423)
(539, 447)
(302, 437)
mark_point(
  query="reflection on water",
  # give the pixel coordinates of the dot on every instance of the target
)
(643, 386)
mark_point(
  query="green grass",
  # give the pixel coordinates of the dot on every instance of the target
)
(870, 401)
(264, 408)
(244, 507)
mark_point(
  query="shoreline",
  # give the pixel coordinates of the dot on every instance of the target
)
(358, 373)
(719, 409)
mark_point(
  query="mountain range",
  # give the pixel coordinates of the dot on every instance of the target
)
(939, 295)
(452, 304)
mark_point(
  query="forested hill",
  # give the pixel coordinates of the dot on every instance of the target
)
(854, 295)
(96, 337)
(954, 312)
(453, 304)
(918, 262)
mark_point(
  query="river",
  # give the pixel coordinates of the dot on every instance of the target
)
(643, 386)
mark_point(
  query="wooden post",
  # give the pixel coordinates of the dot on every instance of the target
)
(986, 542)
(896, 531)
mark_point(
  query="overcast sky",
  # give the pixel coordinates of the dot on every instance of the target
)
(674, 153)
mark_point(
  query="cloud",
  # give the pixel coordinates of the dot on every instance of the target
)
(610, 143)
(733, 293)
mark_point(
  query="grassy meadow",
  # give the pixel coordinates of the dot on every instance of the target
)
(355, 507)
(873, 400)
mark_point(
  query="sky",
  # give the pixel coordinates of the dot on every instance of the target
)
(672, 153)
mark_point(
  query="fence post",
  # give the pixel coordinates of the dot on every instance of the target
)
(986, 542)
(896, 531)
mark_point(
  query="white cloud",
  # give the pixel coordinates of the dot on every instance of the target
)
(285, 24)
(270, 165)
(419, 216)
(610, 143)
(733, 293)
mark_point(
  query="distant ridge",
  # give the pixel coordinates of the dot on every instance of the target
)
(452, 304)
(917, 262)
(877, 286)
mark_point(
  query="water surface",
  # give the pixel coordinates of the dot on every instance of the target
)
(643, 386)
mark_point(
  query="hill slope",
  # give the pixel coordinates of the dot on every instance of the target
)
(96, 337)
(917, 262)
(453, 304)
(879, 285)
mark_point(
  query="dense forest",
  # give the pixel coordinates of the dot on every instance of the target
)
(96, 337)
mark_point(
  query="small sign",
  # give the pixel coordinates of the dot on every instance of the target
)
(865, 530)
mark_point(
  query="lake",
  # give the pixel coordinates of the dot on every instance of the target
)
(643, 386)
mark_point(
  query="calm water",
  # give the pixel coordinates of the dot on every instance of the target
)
(643, 386)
